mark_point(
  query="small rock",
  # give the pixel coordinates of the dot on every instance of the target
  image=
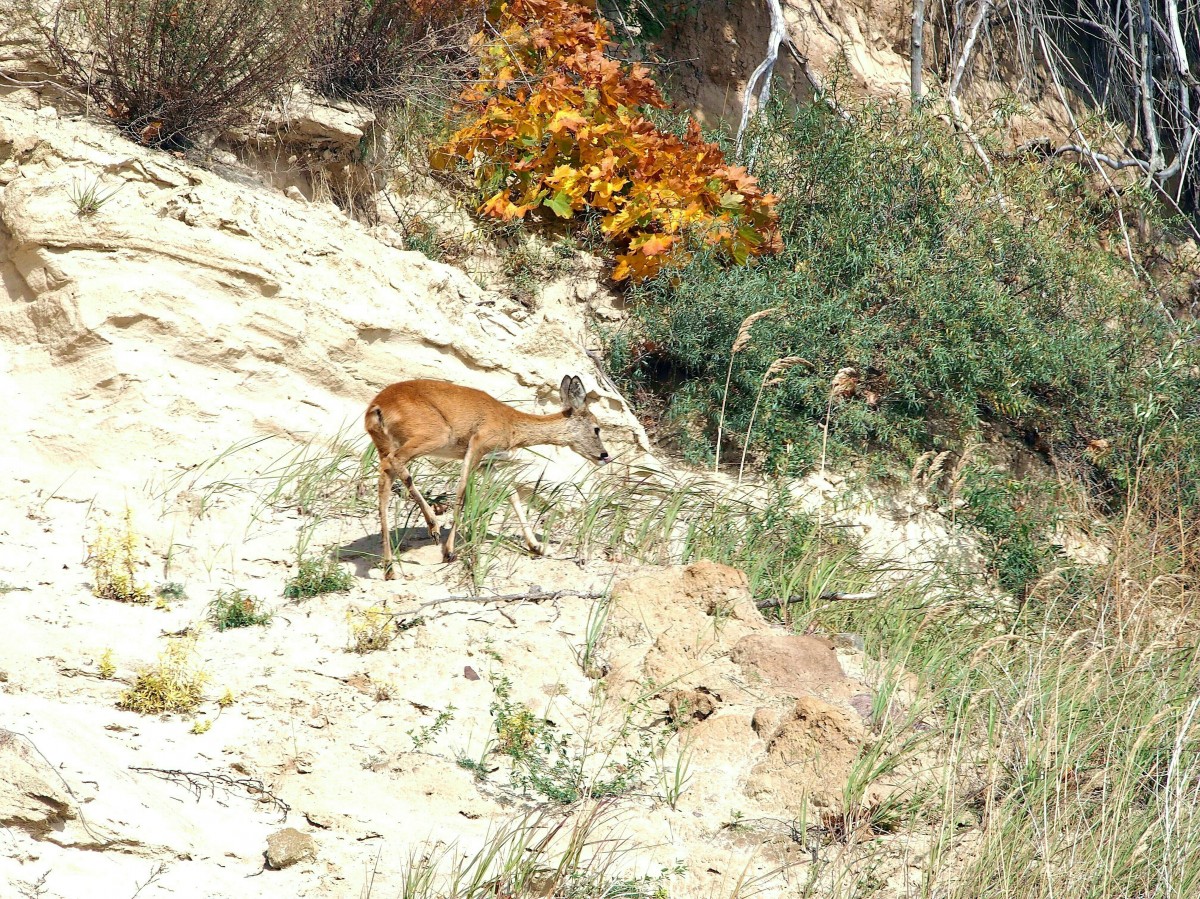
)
(765, 721)
(790, 663)
(294, 193)
(47, 112)
(691, 705)
(288, 846)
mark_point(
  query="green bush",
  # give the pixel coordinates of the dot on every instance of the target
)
(318, 575)
(957, 302)
(236, 608)
(168, 71)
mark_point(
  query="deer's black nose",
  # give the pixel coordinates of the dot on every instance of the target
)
(604, 458)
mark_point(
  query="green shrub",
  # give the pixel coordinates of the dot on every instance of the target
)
(168, 71)
(318, 575)
(951, 308)
(1015, 519)
(236, 608)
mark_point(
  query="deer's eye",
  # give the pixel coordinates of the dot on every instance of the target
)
(597, 430)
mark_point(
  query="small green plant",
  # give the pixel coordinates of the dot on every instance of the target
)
(113, 559)
(315, 576)
(553, 764)
(172, 590)
(227, 699)
(90, 198)
(1016, 520)
(597, 620)
(106, 668)
(201, 726)
(422, 736)
(236, 608)
(674, 778)
(174, 684)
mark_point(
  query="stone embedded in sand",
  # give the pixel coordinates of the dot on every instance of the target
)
(686, 706)
(288, 846)
(810, 755)
(32, 796)
(791, 663)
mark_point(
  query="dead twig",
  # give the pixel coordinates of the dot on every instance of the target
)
(199, 782)
(778, 601)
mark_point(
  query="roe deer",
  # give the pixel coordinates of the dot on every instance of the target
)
(437, 418)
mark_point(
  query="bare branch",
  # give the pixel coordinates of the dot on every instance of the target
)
(917, 49)
(762, 74)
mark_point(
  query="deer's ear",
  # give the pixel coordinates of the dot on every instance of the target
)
(574, 396)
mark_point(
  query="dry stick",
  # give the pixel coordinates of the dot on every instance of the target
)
(532, 596)
(952, 93)
(199, 781)
(739, 344)
(778, 601)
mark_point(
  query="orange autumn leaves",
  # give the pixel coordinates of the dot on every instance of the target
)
(553, 124)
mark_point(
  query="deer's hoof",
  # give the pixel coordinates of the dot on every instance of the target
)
(449, 557)
(389, 573)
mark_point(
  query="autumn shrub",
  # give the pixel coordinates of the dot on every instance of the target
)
(555, 127)
(167, 72)
(384, 51)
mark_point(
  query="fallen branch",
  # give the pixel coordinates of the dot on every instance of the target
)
(778, 602)
(534, 594)
(201, 781)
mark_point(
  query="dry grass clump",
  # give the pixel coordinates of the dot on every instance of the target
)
(113, 559)
(168, 72)
(174, 684)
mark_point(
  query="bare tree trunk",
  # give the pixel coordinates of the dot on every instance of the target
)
(765, 68)
(1146, 40)
(918, 50)
(1177, 45)
(981, 13)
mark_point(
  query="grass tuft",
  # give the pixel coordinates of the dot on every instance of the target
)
(315, 576)
(174, 684)
(237, 608)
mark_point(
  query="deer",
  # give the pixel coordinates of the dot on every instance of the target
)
(412, 419)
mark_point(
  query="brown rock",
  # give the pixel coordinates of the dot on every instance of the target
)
(789, 662)
(720, 590)
(685, 706)
(810, 755)
(765, 721)
(288, 846)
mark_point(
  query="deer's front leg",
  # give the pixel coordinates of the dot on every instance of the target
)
(460, 495)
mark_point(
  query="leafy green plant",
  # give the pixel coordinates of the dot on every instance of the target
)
(547, 763)
(315, 576)
(1016, 520)
(922, 310)
(236, 608)
(422, 736)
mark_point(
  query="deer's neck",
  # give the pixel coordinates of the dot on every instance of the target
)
(531, 430)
